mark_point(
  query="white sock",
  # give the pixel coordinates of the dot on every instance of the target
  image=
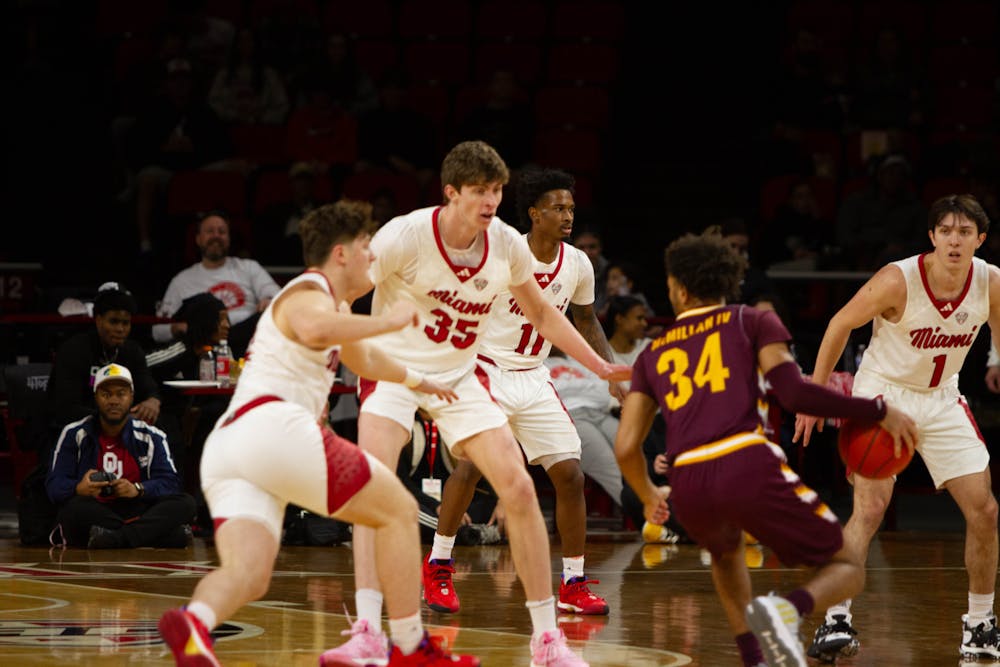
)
(406, 633)
(441, 550)
(203, 613)
(369, 605)
(980, 608)
(543, 615)
(840, 609)
(572, 567)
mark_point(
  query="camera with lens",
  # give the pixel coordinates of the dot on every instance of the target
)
(104, 476)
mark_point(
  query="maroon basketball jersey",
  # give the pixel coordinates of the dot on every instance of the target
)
(703, 372)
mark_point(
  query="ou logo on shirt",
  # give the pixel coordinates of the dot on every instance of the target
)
(111, 463)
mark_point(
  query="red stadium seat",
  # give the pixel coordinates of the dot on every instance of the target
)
(512, 20)
(523, 59)
(437, 62)
(259, 144)
(588, 20)
(575, 150)
(582, 63)
(370, 18)
(201, 190)
(574, 106)
(434, 19)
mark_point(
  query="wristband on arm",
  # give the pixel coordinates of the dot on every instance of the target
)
(413, 378)
(797, 394)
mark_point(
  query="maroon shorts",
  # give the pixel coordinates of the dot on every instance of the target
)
(753, 490)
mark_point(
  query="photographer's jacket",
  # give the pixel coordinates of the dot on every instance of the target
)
(79, 445)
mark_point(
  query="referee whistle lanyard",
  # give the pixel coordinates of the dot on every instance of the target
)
(431, 433)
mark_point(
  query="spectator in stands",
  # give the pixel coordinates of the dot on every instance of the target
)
(384, 206)
(585, 396)
(620, 280)
(178, 131)
(806, 93)
(189, 422)
(276, 229)
(626, 326)
(798, 233)
(755, 281)
(341, 77)
(247, 91)
(112, 476)
(242, 284)
(206, 323)
(71, 384)
(207, 37)
(589, 241)
(504, 120)
(322, 131)
(884, 222)
(397, 137)
(890, 93)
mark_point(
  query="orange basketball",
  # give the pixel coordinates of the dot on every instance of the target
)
(866, 448)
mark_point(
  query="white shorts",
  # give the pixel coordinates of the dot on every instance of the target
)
(950, 442)
(276, 454)
(475, 410)
(536, 414)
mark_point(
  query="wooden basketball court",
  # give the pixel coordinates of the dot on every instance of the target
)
(74, 607)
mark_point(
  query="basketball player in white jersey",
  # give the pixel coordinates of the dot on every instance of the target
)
(454, 261)
(926, 312)
(272, 447)
(511, 357)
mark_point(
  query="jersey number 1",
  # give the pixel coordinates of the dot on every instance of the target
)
(938, 369)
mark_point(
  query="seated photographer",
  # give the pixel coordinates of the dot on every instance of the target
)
(112, 477)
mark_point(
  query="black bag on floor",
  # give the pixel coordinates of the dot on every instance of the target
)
(303, 528)
(36, 515)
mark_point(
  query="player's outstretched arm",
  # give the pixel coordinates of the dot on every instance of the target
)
(312, 318)
(556, 327)
(586, 322)
(369, 361)
(638, 413)
(993, 363)
(882, 294)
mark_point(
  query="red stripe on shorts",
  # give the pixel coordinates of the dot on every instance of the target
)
(365, 389)
(346, 469)
(972, 420)
(250, 405)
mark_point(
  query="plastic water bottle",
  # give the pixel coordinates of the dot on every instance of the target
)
(223, 359)
(206, 364)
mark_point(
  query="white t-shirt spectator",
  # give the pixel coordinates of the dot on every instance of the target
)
(240, 283)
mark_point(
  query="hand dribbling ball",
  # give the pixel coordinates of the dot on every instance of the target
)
(867, 449)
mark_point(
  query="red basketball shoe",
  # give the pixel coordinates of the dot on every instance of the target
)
(576, 597)
(439, 590)
(430, 654)
(188, 639)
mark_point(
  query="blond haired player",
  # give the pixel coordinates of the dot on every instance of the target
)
(453, 261)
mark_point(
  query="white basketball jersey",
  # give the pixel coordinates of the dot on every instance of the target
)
(511, 341)
(927, 347)
(454, 301)
(279, 366)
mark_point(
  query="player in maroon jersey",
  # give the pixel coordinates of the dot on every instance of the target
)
(706, 374)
